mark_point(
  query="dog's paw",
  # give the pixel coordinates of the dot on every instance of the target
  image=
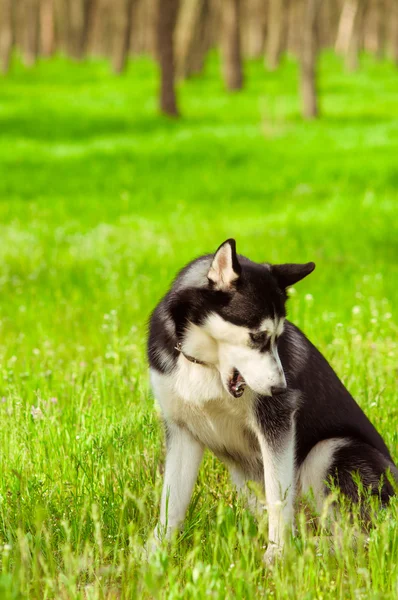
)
(272, 554)
(160, 538)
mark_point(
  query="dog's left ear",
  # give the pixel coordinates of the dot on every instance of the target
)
(225, 268)
(289, 274)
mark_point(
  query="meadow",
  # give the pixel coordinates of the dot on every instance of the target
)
(101, 202)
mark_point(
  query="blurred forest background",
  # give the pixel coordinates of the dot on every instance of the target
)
(180, 33)
(103, 199)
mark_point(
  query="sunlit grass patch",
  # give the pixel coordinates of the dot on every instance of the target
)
(101, 202)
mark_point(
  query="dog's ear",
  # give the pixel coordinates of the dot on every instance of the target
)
(225, 268)
(289, 274)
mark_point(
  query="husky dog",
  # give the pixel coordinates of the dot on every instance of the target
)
(233, 375)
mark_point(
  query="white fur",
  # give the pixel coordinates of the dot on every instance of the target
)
(221, 271)
(273, 327)
(218, 422)
(279, 487)
(313, 471)
(183, 459)
(198, 343)
(260, 370)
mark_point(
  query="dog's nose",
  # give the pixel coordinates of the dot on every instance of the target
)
(278, 389)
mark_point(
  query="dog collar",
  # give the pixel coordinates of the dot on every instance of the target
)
(191, 359)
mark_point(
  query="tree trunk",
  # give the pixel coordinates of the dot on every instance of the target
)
(31, 32)
(231, 49)
(346, 25)
(381, 29)
(89, 16)
(167, 11)
(121, 35)
(254, 27)
(47, 31)
(277, 32)
(308, 60)
(192, 37)
(394, 33)
(354, 44)
(61, 19)
(6, 34)
(76, 28)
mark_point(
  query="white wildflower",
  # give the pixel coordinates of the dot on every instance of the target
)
(36, 413)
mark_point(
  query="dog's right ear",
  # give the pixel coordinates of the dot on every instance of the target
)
(225, 268)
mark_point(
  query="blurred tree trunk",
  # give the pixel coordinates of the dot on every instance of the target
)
(47, 30)
(308, 60)
(192, 37)
(231, 47)
(276, 32)
(346, 25)
(61, 19)
(31, 32)
(327, 23)
(381, 29)
(254, 27)
(79, 15)
(293, 26)
(166, 17)
(394, 32)
(76, 28)
(143, 37)
(355, 41)
(90, 9)
(6, 34)
(121, 34)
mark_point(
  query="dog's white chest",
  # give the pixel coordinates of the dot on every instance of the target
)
(218, 421)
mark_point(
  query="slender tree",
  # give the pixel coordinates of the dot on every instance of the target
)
(167, 12)
(6, 33)
(231, 45)
(254, 27)
(381, 28)
(346, 25)
(61, 24)
(308, 60)
(47, 30)
(394, 32)
(121, 35)
(277, 32)
(192, 37)
(31, 32)
(355, 41)
(90, 8)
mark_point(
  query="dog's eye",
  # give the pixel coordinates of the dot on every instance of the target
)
(259, 338)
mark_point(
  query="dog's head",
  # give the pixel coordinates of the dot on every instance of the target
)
(231, 312)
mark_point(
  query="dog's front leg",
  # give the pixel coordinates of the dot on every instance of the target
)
(183, 458)
(278, 459)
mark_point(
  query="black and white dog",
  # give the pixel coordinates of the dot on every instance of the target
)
(233, 375)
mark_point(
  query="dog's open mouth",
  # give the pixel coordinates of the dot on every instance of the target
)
(236, 384)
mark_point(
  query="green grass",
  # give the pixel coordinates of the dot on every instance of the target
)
(101, 201)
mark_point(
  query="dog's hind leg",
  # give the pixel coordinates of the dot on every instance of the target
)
(314, 470)
(339, 460)
(183, 458)
(358, 460)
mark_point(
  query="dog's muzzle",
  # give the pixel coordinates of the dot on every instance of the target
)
(236, 384)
